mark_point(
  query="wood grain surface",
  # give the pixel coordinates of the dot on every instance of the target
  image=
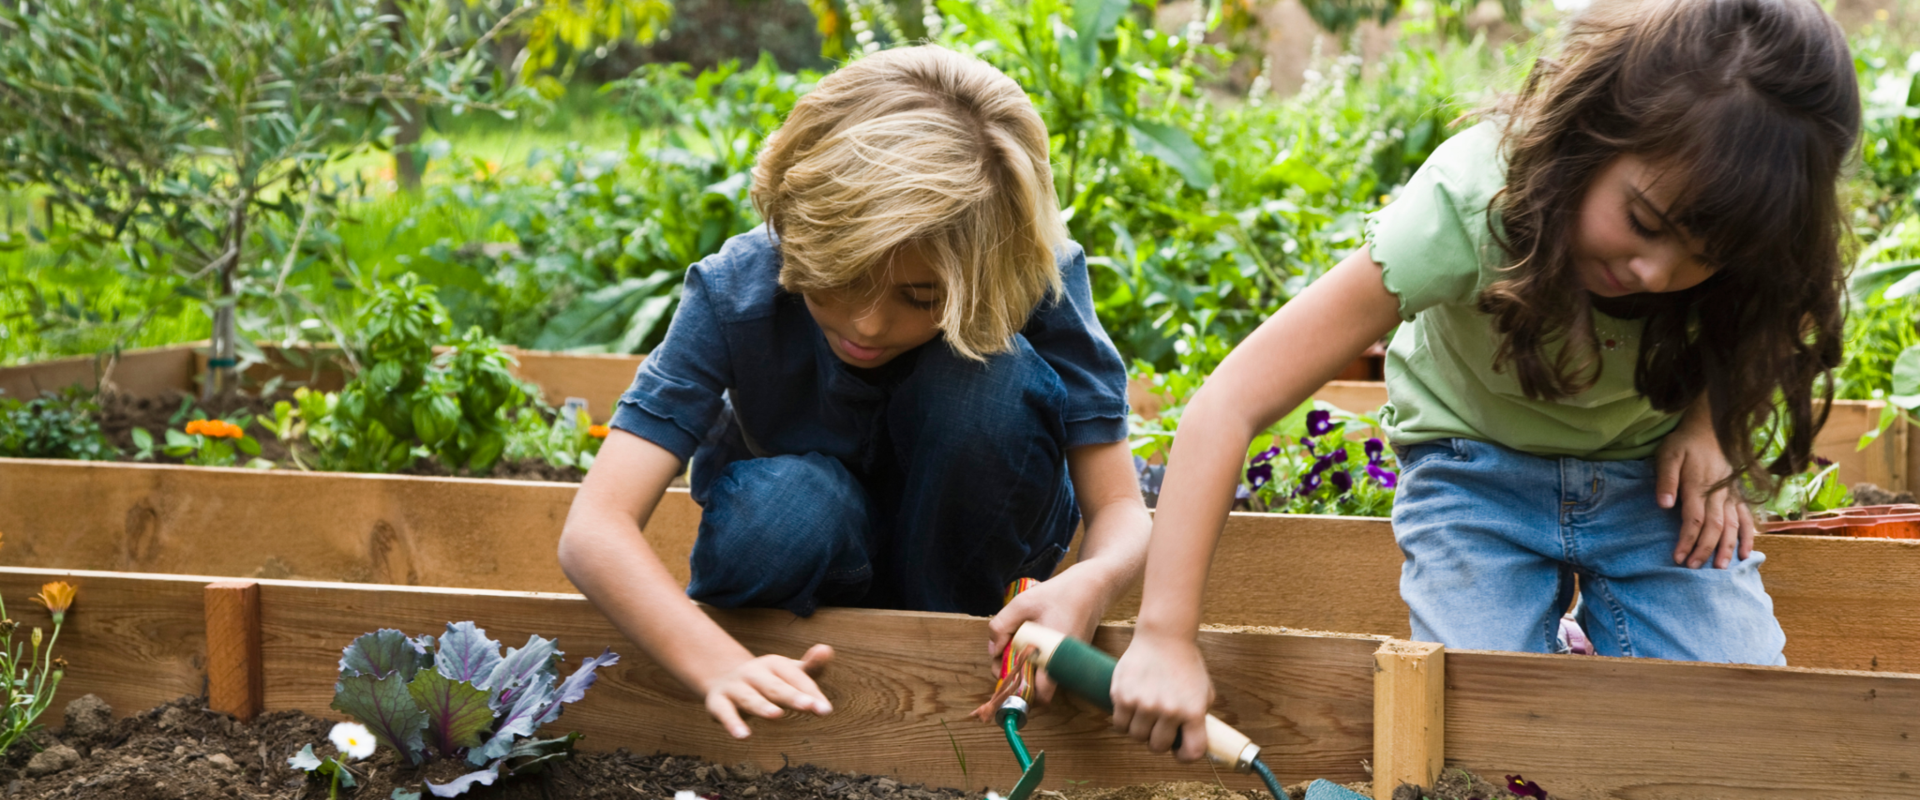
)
(902, 684)
(1585, 727)
(135, 640)
(1409, 715)
(234, 671)
(285, 524)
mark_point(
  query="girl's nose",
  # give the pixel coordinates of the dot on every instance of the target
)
(1653, 272)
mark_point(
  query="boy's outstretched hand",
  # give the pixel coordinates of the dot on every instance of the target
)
(1715, 522)
(1160, 688)
(766, 687)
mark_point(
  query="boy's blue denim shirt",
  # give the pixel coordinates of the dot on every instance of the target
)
(739, 339)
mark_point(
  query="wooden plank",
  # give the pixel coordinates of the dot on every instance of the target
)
(1846, 603)
(600, 379)
(333, 526)
(1359, 397)
(145, 371)
(901, 683)
(1301, 571)
(1409, 715)
(234, 677)
(135, 640)
(1585, 727)
(1882, 463)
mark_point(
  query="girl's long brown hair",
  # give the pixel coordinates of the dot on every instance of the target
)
(1751, 106)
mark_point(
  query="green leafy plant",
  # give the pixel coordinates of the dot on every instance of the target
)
(565, 440)
(1818, 488)
(32, 672)
(407, 402)
(351, 742)
(461, 698)
(204, 443)
(64, 424)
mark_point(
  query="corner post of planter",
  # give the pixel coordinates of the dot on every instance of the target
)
(235, 681)
(1409, 714)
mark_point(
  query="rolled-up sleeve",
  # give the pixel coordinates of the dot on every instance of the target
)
(677, 392)
(1067, 334)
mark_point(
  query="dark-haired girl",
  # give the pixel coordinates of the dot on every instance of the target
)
(1618, 292)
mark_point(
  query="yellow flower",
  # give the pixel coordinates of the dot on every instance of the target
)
(57, 597)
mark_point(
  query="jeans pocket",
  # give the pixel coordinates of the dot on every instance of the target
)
(1412, 456)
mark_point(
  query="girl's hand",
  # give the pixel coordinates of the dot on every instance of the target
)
(1714, 522)
(1161, 688)
(766, 687)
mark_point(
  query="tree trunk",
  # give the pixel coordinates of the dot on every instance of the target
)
(409, 164)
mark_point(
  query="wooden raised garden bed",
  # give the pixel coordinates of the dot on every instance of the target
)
(1845, 603)
(1320, 704)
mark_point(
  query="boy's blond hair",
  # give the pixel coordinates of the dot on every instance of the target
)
(926, 148)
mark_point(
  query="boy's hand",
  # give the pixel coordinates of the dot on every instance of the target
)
(766, 687)
(1714, 522)
(1160, 688)
(1071, 602)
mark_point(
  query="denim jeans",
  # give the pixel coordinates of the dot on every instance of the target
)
(962, 488)
(1493, 539)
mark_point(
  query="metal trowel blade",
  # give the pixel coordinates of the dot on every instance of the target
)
(1031, 780)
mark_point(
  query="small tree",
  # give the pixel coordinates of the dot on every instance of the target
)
(192, 136)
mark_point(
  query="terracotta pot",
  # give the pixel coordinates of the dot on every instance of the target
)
(1870, 522)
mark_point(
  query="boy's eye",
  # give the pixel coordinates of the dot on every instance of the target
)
(916, 302)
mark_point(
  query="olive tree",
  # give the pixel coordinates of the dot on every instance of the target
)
(190, 140)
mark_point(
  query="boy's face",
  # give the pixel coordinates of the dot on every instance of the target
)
(891, 311)
(1625, 245)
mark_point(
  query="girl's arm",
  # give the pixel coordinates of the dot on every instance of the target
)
(604, 554)
(1712, 518)
(1160, 687)
(1108, 491)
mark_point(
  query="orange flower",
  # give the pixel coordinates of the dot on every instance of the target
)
(598, 431)
(216, 428)
(57, 597)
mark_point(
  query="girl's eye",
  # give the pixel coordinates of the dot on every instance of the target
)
(1633, 221)
(923, 305)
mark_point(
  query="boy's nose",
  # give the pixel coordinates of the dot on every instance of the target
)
(869, 323)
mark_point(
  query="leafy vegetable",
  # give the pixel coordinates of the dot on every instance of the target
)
(461, 698)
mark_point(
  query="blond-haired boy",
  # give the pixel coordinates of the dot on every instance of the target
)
(895, 394)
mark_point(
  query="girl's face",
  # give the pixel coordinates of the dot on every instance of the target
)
(876, 319)
(1626, 245)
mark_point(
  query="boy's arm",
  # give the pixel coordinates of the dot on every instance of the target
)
(1117, 525)
(1160, 687)
(603, 552)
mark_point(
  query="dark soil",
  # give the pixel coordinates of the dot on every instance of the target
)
(184, 750)
(1867, 494)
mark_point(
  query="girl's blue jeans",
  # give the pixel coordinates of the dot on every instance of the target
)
(1493, 539)
(962, 488)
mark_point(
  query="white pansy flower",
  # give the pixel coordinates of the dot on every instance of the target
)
(352, 739)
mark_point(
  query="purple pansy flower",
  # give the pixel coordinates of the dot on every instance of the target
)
(1259, 474)
(1266, 455)
(1338, 456)
(1307, 442)
(1319, 422)
(1342, 480)
(1383, 476)
(1375, 450)
(1309, 484)
(1521, 787)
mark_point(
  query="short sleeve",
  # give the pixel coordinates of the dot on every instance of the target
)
(677, 392)
(1068, 336)
(1432, 242)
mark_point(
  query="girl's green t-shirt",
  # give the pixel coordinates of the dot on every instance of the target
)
(1437, 254)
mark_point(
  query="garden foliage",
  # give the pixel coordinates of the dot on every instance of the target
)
(461, 698)
(32, 673)
(64, 424)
